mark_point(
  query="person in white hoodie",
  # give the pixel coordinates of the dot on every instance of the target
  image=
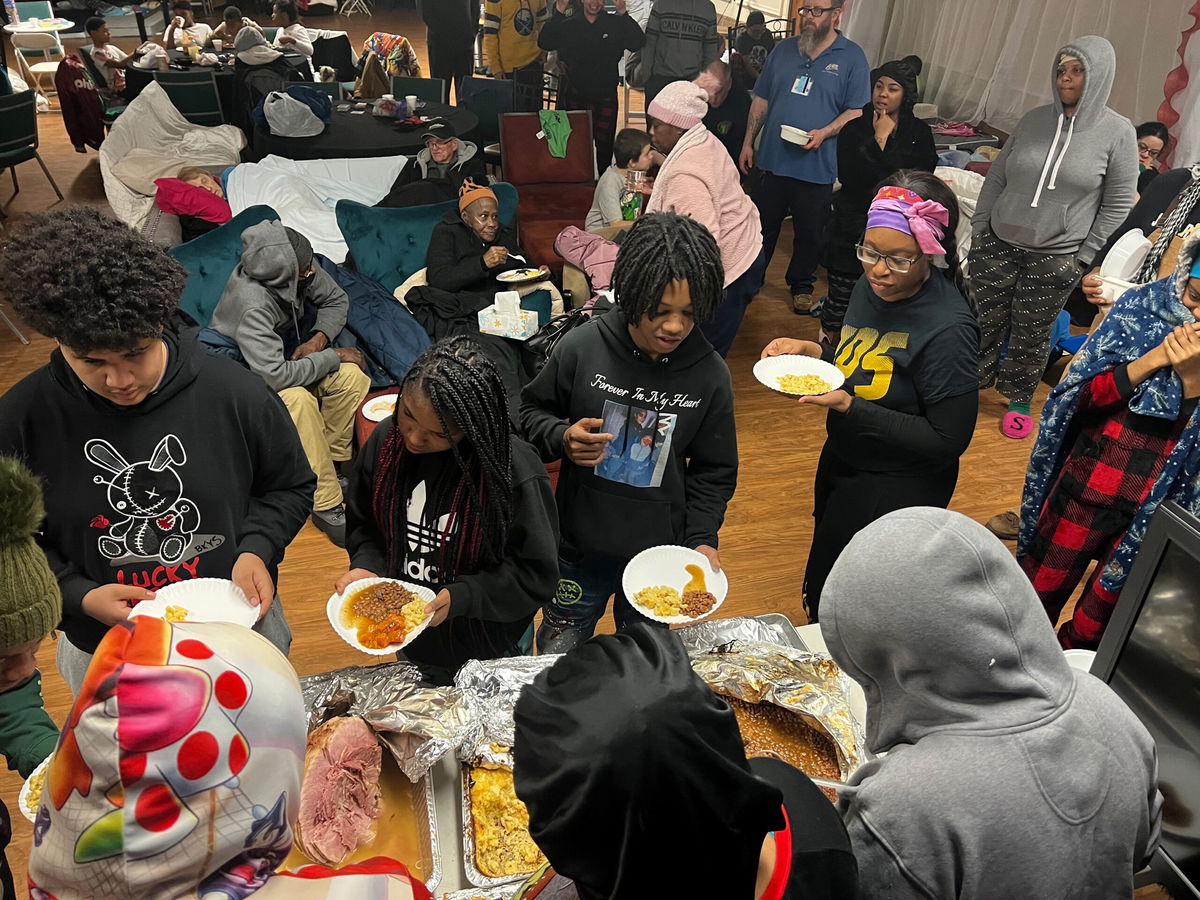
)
(1008, 773)
(1067, 176)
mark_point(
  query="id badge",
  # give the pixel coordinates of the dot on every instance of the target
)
(803, 85)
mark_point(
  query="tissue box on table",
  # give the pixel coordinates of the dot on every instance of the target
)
(505, 318)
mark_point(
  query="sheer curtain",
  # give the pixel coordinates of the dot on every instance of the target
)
(993, 61)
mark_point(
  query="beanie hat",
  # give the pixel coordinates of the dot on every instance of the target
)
(300, 244)
(681, 103)
(30, 601)
(902, 73)
(470, 192)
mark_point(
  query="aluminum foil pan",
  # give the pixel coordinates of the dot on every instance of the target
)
(354, 690)
(490, 688)
(772, 628)
(427, 825)
(501, 893)
(810, 684)
(420, 726)
(474, 876)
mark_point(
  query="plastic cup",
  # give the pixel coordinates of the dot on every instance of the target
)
(34, 23)
(218, 46)
(410, 101)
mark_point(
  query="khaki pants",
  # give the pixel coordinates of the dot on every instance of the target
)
(324, 417)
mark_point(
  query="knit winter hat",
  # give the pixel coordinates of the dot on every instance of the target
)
(300, 244)
(681, 103)
(30, 601)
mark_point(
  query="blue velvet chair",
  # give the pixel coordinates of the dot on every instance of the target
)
(211, 258)
(389, 245)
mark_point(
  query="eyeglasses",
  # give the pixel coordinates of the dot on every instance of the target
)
(1143, 149)
(900, 264)
(815, 12)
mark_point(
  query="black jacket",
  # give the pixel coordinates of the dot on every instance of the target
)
(449, 17)
(454, 260)
(861, 166)
(417, 185)
(672, 491)
(208, 467)
(590, 51)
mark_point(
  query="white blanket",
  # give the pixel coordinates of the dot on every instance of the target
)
(305, 192)
(152, 122)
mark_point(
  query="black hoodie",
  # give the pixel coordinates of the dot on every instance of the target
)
(673, 490)
(206, 468)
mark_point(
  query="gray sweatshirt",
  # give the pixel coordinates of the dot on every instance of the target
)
(1008, 774)
(1062, 184)
(260, 300)
(681, 39)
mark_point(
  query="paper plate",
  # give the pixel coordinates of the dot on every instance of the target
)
(769, 371)
(793, 135)
(333, 612)
(205, 599)
(521, 276)
(379, 408)
(1080, 659)
(664, 566)
(30, 812)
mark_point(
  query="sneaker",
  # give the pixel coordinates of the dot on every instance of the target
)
(802, 304)
(1004, 526)
(815, 309)
(343, 481)
(333, 523)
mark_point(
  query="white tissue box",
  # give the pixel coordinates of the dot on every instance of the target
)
(518, 326)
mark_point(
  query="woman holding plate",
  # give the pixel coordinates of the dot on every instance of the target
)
(908, 350)
(445, 495)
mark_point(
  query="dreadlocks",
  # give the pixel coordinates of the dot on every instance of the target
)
(466, 392)
(661, 248)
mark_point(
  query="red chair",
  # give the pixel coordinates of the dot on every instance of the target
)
(554, 192)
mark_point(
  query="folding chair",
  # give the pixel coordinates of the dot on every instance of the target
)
(335, 91)
(19, 137)
(431, 90)
(194, 93)
(34, 9)
(33, 47)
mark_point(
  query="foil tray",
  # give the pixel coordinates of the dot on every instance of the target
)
(474, 876)
(427, 817)
(501, 893)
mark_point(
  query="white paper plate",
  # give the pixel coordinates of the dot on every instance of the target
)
(379, 408)
(1080, 659)
(333, 611)
(520, 276)
(769, 371)
(664, 566)
(205, 599)
(793, 135)
(30, 812)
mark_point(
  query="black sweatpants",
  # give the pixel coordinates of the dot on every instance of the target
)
(846, 500)
(451, 56)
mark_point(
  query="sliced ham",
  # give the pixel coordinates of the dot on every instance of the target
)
(339, 798)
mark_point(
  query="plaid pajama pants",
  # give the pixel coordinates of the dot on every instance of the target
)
(604, 120)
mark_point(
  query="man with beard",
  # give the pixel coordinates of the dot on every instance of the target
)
(816, 82)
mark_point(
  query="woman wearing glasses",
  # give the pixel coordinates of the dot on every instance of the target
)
(908, 349)
(1065, 179)
(1152, 140)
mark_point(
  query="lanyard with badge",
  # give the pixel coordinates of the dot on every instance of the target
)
(804, 82)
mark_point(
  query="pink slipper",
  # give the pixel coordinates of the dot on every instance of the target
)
(1016, 425)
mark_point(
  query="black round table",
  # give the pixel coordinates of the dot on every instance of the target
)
(354, 135)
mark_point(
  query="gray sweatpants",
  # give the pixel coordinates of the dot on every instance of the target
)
(1018, 295)
(73, 663)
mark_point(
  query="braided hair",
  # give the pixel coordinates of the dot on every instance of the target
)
(928, 186)
(466, 392)
(661, 248)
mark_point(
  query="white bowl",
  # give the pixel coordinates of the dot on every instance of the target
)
(205, 599)
(1080, 659)
(664, 566)
(333, 611)
(793, 135)
(768, 371)
(1112, 288)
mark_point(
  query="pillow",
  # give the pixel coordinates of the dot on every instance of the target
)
(185, 199)
(139, 168)
(389, 245)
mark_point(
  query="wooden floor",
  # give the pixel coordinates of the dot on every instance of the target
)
(768, 528)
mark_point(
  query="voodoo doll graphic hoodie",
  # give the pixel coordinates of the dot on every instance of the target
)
(206, 468)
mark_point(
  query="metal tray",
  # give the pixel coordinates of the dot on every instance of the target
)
(787, 631)
(474, 876)
(427, 824)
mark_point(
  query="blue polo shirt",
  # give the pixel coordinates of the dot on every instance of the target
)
(809, 93)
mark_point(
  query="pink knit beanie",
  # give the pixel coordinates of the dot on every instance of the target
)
(681, 103)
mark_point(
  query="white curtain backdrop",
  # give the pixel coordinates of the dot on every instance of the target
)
(988, 61)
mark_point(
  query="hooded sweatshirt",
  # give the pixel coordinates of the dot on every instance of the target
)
(263, 298)
(668, 487)
(206, 468)
(178, 776)
(638, 785)
(1008, 773)
(1062, 184)
(681, 39)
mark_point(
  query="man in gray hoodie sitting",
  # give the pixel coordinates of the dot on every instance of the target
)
(1008, 774)
(284, 313)
(438, 170)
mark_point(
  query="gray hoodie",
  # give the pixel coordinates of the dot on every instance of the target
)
(1062, 184)
(260, 300)
(1008, 774)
